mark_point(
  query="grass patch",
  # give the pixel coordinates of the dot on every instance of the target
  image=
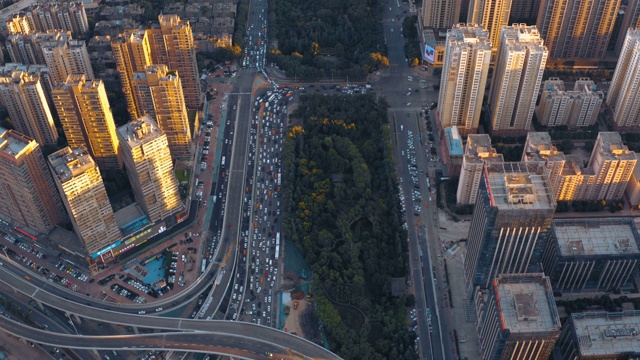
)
(183, 175)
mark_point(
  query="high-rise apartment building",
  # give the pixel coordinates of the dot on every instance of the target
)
(520, 65)
(464, 77)
(524, 11)
(633, 188)
(67, 57)
(539, 149)
(19, 24)
(576, 108)
(41, 71)
(28, 196)
(631, 20)
(514, 207)
(613, 164)
(178, 51)
(577, 29)
(58, 50)
(26, 103)
(132, 53)
(492, 15)
(158, 93)
(87, 120)
(517, 318)
(478, 151)
(623, 95)
(169, 43)
(440, 14)
(50, 15)
(593, 255)
(80, 184)
(147, 158)
(600, 335)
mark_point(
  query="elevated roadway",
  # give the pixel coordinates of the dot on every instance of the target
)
(221, 334)
(238, 346)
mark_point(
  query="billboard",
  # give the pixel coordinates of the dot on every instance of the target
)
(429, 53)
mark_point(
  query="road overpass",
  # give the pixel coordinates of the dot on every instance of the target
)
(7, 13)
(84, 307)
(222, 343)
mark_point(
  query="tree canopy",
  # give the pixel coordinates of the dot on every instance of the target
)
(322, 38)
(343, 213)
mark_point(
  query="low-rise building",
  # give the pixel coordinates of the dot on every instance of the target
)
(478, 151)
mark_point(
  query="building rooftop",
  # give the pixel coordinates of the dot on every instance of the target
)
(140, 131)
(586, 237)
(454, 142)
(469, 35)
(34, 69)
(12, 143)
(603, 333)
(612, 147)
(522, 36)
(68, 163)
(553, 84)
(479, 149)
(519, 186)
(526, 303)
(539, 147)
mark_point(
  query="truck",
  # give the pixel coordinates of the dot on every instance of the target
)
(224, 158)
(279, 180)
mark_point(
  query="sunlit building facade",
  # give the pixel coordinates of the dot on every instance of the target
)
(577, 29)
(464, 77)
(146, 155)
(158, 93)
(85, 114)
(25, 100)
(79, 182)
(520, 63)
(28, 197)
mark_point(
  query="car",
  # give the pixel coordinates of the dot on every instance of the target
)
(159, 309)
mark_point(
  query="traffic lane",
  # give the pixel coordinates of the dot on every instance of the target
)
(422, 300)
(236, 181)
(412, 126)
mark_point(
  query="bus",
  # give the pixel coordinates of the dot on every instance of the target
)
(277, 246)
(224, 158)
(279, 179)
(204, 265)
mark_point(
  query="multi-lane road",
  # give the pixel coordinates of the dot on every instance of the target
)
(74, 303)
(406, 96)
